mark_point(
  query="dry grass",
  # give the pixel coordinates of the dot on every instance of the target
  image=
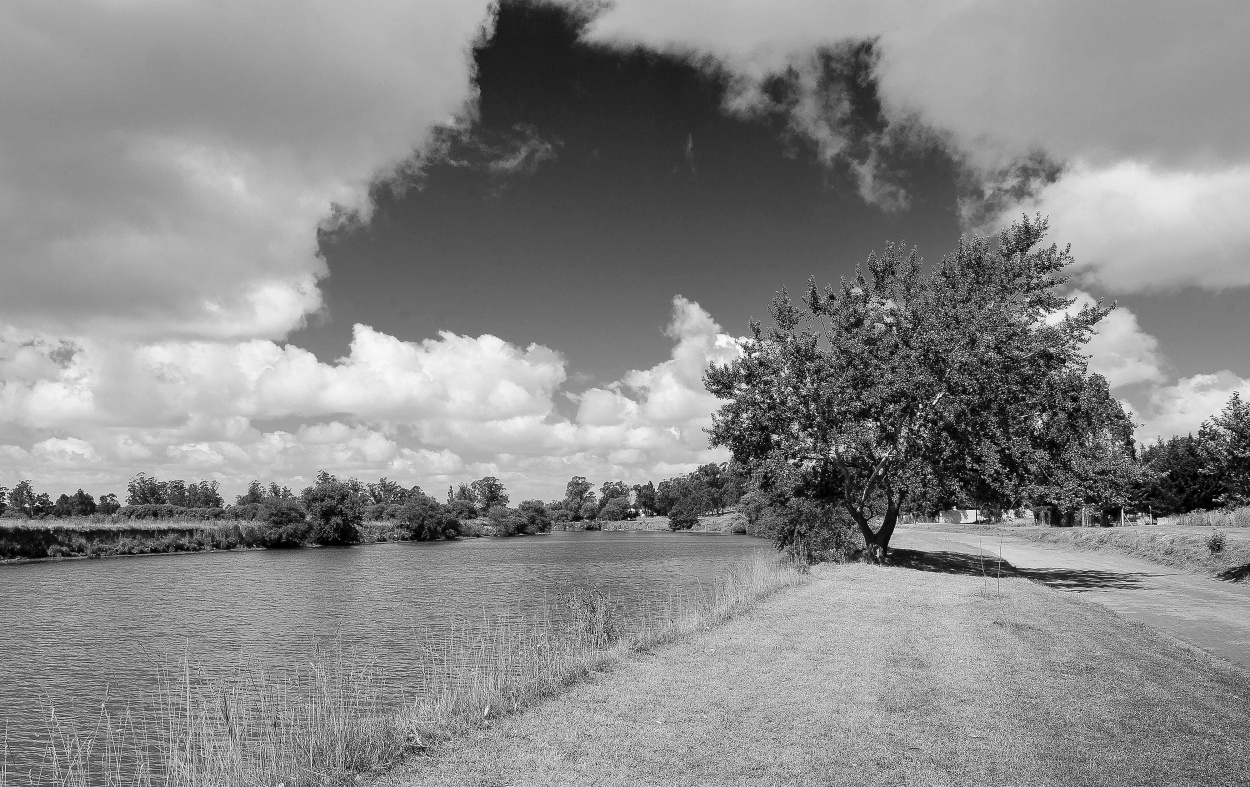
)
(1184, 548)
(336, 718)
(884, 676)
(1236, 517)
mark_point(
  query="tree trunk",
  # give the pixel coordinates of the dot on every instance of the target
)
(878, 544)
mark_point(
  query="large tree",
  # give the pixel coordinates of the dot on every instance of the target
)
(903, 386)
(489, 492)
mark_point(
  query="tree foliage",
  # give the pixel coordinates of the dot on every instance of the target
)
(1227, 440)
(425, 519)
(286, 524)
(488, 493)
(335, 510)
(902, 387)
(616, 510)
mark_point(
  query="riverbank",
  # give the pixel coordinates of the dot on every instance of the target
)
(730, 522)
(25, 541)
(885, 676)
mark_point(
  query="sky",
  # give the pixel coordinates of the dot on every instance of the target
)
(435, 241)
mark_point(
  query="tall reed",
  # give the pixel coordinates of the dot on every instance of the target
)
(338, 716)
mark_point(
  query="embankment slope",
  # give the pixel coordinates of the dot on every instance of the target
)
(885, 676)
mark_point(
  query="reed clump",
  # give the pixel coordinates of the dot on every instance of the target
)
(338, 717)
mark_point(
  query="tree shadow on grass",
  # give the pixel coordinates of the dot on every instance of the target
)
(1235, 574)
(944, 562)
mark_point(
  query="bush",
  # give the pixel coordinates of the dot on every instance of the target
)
(589, 511)
(684, 514)
(507, 522)
(537, 519)
(423, 519)
(814, 532)
(752, 506)
(286, 525)
(616, 509)
(334, 510)
(463, 510)
(1215, 542)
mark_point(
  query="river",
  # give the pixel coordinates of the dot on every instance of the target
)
(76, 634)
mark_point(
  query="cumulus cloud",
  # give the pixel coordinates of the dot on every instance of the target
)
(1119, 349)
(1135, 227)
(164, 167)
(1182, 407)
(433, 412)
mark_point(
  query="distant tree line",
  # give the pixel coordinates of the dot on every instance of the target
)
(1200, 472)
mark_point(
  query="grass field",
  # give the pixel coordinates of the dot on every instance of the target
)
(884, 676)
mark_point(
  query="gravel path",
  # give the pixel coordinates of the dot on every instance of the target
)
(1211, 614)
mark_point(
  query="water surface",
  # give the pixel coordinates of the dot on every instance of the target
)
(78, 633)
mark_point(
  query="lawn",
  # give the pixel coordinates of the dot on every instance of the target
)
(884, 676)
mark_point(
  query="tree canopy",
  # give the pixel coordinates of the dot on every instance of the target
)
(911, 388)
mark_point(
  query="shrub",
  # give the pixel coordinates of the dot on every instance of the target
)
(814, 531)
(752, 507)
(285, 526)
(684, 514)
(507, 522)
(423, 519)
(537, 518)
(463, 510)
(1215, 542)
(616, 509)
(334, 510)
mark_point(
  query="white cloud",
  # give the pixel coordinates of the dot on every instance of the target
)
(1119, 349)
(433, 412)
(1136, 228)
(164, 167)
(1181, 408)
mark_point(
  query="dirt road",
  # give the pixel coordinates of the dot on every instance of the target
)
(1209, 613)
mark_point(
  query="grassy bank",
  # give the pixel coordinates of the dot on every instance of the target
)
(1184, 548)
(884, 676)
(337, 718)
